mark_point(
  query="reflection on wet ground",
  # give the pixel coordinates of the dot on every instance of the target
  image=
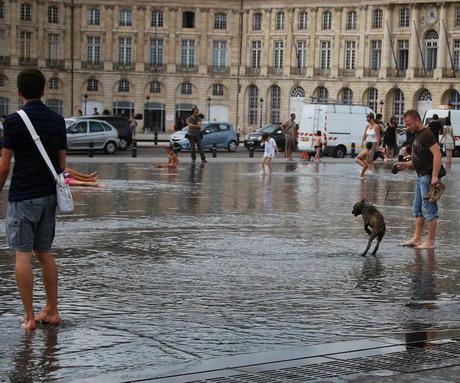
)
(164, 267)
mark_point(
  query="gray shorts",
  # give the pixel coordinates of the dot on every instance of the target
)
(30, 224)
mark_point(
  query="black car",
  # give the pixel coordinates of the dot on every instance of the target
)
(254, 139)
(121, 124)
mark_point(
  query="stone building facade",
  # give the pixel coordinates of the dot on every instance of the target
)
(248, 61)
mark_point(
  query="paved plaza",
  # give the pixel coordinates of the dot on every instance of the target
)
(216, 269)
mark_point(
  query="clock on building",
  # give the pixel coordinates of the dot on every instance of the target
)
(431, 15)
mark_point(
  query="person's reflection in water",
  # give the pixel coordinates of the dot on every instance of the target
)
(267, 192)
(369, 278)
(290, 167)
(33, 363)
(424, 295)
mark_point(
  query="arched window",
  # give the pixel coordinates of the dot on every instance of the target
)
(431, 49)
(398, 106)
(4, 106)
(279, 21)
(93, 85)
(275, 104)
(123, 86)
(322, 94)
(253, 104)
(53, 14)
(53, 83)
(454, 99)
(155, 87)
(347, 96)
(373, 99)
(377, 18)
(217, 89)
(352, 17)
(404, 17)
(257, 21)
(303, 19)
(298, 91)
(327, 20)
(186, 88)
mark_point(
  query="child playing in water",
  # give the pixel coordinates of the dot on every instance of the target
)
(318, 145)
(269, 152)
(74, 178)
(362, 158)
(173, 160)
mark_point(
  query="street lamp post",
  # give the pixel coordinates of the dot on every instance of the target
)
(381, 106)
(209, 107)
(86, 99)
(261, 111)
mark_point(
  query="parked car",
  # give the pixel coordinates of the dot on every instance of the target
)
(220, 134)
(255, 138)
(103, 135)
(120, 123)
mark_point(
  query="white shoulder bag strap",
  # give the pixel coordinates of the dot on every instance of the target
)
(38, 142)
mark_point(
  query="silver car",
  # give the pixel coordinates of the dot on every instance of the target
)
(103, 136)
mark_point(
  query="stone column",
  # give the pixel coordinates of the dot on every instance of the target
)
(442, 44)
(290, 42)
(312, 41)
(246, 44)
(40, 39)
(387, 53)
(140, 46)
(361, 50)
(172, 46)
(337, 56)
(414, 52)
(13, 35)
(110, 47)
(203, 53)
(266, 42)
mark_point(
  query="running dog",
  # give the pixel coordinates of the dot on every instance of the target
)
(372, 219)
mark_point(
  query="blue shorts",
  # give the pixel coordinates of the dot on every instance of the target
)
(421, 206)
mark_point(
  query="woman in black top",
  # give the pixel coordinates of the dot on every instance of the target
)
(389, 139)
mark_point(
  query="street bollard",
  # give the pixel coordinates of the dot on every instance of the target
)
(353, 150)
(155, 138)
(251, 150)
(238, 138)
(214, 151)
(134, 150)
(91, 150)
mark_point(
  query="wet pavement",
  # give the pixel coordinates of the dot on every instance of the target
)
(161, 268)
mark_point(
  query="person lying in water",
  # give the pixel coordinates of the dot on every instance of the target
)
(173, 160)
(74, 178)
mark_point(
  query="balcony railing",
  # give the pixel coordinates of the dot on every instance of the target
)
(92, 64)
(123, 66)
(368, 72)
(275, 70)
(322, 72)
(252, 71)
(152, 67)
(58, 64)
(295, 71)
(27, 61)
(188, 68)
(218, 69)
(347, 72)
(420, 72)
(5, 60)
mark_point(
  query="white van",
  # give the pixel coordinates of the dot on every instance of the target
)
(341, 125)
(441, 112)
(454, 116)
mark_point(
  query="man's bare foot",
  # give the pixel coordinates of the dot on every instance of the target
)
(29, 324)
(411, 243)
(426, 245)
(47, 317)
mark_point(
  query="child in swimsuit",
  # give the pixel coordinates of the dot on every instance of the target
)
(74, 178)
(269, 153)
(318, 145)
(173, 160)
(362, 159)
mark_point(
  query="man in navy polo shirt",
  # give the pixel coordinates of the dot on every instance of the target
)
(31, 212)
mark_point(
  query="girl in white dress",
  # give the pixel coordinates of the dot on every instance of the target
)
(448, 138)
(269, 152)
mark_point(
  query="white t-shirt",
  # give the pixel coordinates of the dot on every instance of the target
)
(270, 146)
